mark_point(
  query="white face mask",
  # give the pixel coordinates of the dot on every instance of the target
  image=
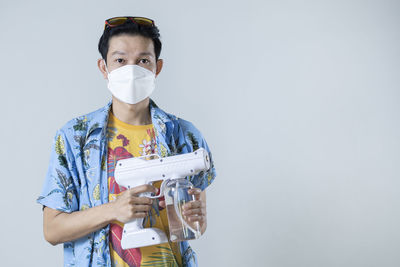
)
(131, 83)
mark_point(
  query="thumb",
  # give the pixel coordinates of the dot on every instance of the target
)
(195, 192)
(161, 203)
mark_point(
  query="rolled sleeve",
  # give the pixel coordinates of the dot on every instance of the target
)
(59, 191)
(204, 179)
(196, 140)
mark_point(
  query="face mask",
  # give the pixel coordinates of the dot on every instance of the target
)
(131, 83)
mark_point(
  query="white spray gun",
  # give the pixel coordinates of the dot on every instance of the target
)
(133, 172)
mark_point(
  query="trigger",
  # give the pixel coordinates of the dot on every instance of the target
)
(161, 190)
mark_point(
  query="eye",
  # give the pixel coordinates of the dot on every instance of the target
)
(120, 60)
(144, 61)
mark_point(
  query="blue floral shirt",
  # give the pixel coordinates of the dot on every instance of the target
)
(77, 175)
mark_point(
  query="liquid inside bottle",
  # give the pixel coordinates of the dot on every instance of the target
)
(176, 196)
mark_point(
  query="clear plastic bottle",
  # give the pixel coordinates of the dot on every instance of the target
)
(176, 195)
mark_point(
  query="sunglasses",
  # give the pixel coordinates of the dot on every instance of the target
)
(117, 21)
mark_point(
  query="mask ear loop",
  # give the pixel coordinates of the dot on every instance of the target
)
(105, 65)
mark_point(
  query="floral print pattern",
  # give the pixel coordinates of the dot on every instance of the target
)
(77, 175)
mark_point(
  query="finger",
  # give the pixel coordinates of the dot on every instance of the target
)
(193, 205)
(195, 218)
(142, 189)
(140, 214)
(198, 211)
(141, 200)
(195, 212)
(196, 192)
(141, 208)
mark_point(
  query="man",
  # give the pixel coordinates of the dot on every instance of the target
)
(83, 207)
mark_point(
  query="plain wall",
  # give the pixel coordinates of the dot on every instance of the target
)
(298, 100)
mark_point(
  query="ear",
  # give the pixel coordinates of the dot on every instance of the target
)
(159, 66)
(102, 67)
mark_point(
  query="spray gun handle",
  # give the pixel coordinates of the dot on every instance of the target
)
(134, 235)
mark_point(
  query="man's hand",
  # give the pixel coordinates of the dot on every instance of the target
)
(195, 211)
(60, 227)
(130, 206)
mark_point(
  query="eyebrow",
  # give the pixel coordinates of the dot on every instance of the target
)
(123, 53)
(146, 54)
(118, 52)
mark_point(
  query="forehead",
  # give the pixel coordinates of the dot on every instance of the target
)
(131, 44)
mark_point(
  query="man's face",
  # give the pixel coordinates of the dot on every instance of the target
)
(128, 49)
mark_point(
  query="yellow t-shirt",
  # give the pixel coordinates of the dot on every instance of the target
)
(126, 141)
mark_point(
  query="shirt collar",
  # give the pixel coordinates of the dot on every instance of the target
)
(100, 117)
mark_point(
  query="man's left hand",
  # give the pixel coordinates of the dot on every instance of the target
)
(194, 211)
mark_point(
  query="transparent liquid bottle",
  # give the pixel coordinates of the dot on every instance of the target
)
(176, 195)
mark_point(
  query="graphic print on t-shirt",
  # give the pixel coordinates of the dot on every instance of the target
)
(126, 141)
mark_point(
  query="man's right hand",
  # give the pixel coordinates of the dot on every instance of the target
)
(60, 227)
(130, 205)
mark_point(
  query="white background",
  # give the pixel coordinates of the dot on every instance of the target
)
(298, 100)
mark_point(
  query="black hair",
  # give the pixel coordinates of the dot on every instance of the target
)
(132, 28)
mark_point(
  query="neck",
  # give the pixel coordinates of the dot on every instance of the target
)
(134, 114)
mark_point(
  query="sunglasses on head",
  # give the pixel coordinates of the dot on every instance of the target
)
(117, 21)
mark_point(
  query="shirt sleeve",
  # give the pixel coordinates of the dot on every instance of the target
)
(59, 191)
(204, 179)
(196, 140)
